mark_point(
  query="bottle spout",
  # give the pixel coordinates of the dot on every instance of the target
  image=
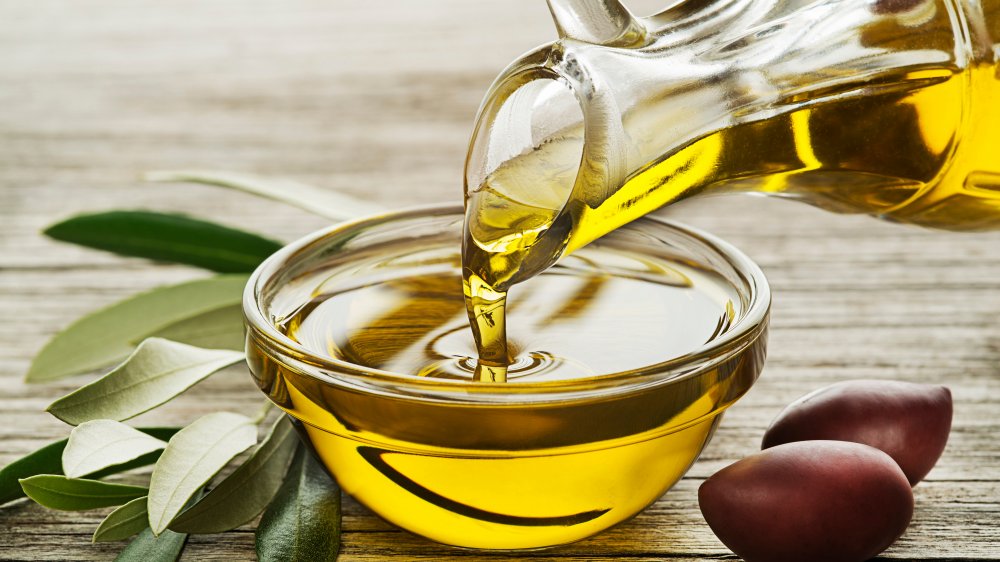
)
(600, 22)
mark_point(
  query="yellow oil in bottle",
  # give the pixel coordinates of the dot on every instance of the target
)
(920, 147)
(502, 471)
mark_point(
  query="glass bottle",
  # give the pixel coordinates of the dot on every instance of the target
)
(885, 107)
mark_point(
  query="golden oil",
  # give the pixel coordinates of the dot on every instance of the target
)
(582, 318)
(611, 394)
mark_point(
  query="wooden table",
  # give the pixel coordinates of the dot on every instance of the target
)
(377, 100)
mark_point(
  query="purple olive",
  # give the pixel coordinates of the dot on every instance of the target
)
(822, 501)
(908, 421)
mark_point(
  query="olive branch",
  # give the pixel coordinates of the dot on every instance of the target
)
(165, 341)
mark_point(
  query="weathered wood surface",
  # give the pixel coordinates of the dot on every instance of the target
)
(377, 100)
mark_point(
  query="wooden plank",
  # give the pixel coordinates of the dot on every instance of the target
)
(379, 103)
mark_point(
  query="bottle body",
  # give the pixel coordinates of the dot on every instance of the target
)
(888, 108)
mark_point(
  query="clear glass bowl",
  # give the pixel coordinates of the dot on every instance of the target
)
(548, 462)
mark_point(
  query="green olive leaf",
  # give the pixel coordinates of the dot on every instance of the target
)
(221, 328)
(48, 460)
(329, 204)
(123, 522)
(77, 494)
(167, 237)
(161, 433)
(191, 459)
(149, 548)
(158, 371)
(98, 444)
(247, 491)
(302, 524)
(106, 336)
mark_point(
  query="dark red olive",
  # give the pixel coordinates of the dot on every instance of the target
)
(908, 421)
(821, 501)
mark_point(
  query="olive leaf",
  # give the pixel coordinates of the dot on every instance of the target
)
(133, 518)
(77, 494)
(167, 237)
(106, 336)
(247, 491)
(322, 202)
(48, 460)
(158, 371)
(191, 459)
(302, 524)
(149, 548)
(99, 444)
(221, 328)
(123, 522)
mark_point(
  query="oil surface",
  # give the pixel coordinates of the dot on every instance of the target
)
(594, 314)
(921, 147)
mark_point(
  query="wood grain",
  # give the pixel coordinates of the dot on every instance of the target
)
(377, 101)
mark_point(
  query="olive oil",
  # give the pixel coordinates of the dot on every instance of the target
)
(623, 357)
(593, 314)
(920, 147)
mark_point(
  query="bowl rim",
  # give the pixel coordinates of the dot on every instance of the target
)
(328, 370)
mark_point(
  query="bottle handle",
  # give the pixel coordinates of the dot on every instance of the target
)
(600, 22)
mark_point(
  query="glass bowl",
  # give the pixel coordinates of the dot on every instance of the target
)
(514, 465)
